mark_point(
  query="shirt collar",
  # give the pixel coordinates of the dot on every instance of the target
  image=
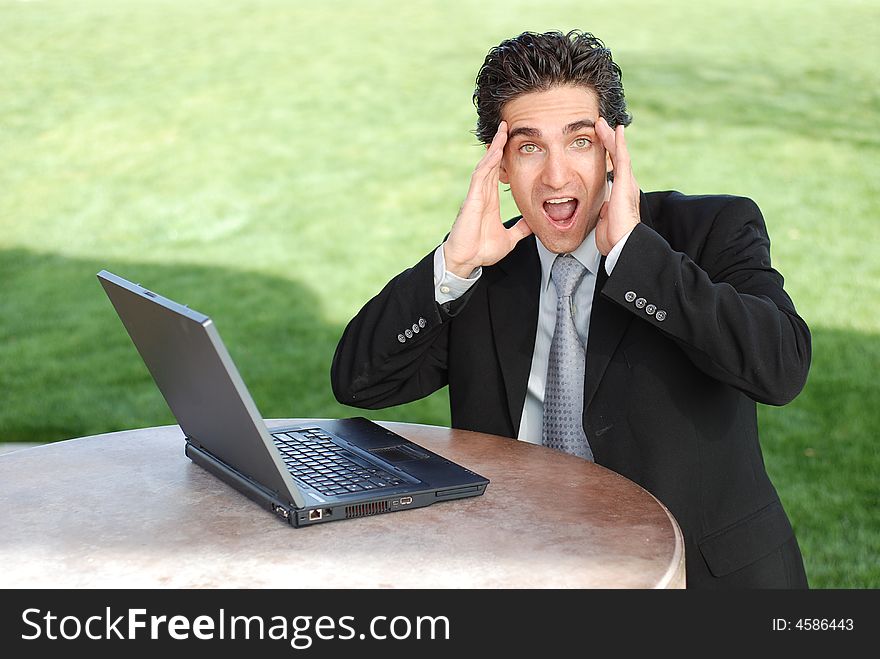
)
(587, 253)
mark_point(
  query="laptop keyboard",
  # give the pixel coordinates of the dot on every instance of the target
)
(314, 459)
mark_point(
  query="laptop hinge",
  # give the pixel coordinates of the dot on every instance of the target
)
(267, 498)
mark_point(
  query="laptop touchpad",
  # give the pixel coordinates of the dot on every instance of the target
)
(399, 453)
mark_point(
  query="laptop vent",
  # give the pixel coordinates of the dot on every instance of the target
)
(365, 509)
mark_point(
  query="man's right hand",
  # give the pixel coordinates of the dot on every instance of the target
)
(478, 237)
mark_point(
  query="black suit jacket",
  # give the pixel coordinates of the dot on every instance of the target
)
(669, 398)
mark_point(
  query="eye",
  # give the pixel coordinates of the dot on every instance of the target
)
(582, 143)
(529, 148)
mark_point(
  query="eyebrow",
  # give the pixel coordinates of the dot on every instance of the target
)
(523, 130)
(573, 127)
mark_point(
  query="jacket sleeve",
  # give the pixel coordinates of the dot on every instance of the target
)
(723, 304)
(395, 349)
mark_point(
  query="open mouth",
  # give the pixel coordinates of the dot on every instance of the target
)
(561, 211)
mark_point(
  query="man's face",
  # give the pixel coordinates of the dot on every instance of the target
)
(555, 163)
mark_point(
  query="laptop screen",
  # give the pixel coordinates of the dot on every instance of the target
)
(186, 357)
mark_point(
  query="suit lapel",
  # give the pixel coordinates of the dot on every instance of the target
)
(513, 311)
(608, 322)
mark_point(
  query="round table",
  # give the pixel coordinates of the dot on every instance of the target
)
(128, 509)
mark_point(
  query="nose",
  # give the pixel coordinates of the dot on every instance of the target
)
(556, 173)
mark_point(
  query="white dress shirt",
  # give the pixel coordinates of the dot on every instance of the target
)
(448, 287)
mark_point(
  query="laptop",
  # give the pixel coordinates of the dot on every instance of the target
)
(305, 474)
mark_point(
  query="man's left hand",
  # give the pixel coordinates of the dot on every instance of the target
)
(620, 212)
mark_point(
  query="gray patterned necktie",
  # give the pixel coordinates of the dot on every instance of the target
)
(564, 387)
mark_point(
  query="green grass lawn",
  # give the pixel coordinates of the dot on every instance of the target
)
(274, 163)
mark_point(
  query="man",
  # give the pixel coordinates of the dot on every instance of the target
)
(633, 329)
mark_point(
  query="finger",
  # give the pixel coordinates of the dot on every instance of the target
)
(621, 152)
(607, 137)
(520, 230)
(615, 143)
(602, 230)
(488, 170)
(496, 148)
(500, 138)
(623, 172)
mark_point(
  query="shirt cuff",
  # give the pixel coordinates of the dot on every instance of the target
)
(614, 254)
(449, 286)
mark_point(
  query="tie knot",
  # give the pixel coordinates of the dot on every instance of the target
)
(566, 272)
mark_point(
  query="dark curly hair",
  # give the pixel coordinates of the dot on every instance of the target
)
(537, 62)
